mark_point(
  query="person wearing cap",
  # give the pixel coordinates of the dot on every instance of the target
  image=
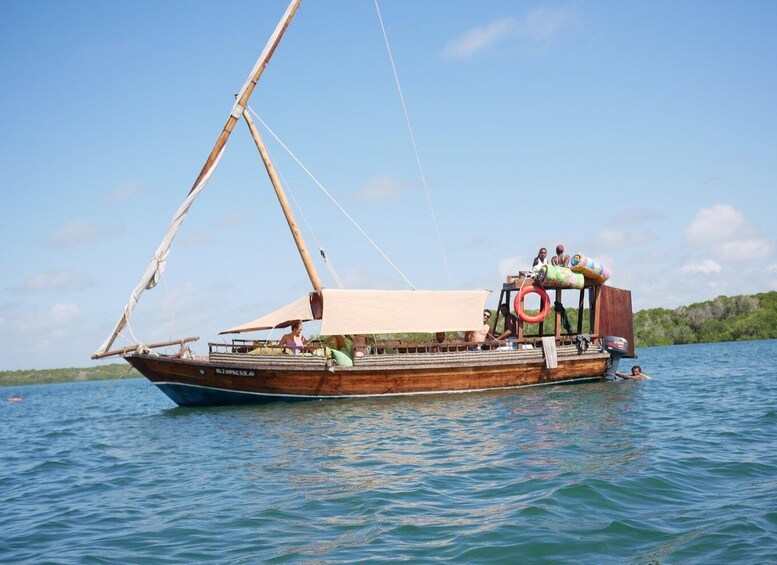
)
(559, 259)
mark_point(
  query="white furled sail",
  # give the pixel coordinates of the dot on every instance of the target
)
(156, 267)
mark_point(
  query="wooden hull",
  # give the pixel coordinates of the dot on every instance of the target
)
(239, 379)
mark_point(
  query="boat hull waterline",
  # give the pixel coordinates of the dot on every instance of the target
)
(205, 383)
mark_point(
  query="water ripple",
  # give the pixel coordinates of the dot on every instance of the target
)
(678, 469)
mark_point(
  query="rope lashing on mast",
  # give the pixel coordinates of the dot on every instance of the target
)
(415, 147)
(329, 195)
(330, 267)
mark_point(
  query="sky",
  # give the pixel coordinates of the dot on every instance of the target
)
(641, 134)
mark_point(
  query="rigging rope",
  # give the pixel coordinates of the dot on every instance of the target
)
(415, 147)
(156, 267)
(172, 308)
(129, 327)
(310, 228)
(332, 198)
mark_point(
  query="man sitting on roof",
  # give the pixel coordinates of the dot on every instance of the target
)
(560, 259)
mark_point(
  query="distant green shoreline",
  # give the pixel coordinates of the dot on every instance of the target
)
(48, 376)
(735, 318)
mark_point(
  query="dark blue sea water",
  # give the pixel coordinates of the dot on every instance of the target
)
(679, 469)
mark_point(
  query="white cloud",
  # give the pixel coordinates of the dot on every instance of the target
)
(123, 193)
(545, 24)
(744, 249)
(57, 322)
(361, 278)
(479, 242)
(201, 237)
(205, 235)
(479, 38)
(728, 235)
(220, 287)
(381, 189)
(64, 313)
(712, 225)
(209, 234)
(651, 257)
(704, 266)
(231, 220)
(609, 238)
(48, 281)
(536, 30)
(512, 265)
(639, 216)
(176, 311)
(75, 233)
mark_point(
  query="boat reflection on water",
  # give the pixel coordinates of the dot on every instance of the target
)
(390, 445)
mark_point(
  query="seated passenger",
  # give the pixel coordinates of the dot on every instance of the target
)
(439, 337)
(479, 336)
(540, 260)
(293, 341)
(559, 259)
(511, 324)
(359, 345)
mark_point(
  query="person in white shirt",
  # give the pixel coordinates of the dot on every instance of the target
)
(540, 260)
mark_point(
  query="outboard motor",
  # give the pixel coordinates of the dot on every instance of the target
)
(617, 347)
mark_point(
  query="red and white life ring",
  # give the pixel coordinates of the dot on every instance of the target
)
(544, 304)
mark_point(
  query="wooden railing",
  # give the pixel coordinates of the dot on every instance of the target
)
(131, 348)
(397, 346)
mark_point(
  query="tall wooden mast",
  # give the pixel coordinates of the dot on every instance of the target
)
(296, 234)
(153, 272)
(248, 88)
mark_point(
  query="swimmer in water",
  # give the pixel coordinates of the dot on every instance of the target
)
(15, 399)
(636, 373)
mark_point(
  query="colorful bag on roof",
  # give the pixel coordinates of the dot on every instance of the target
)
(590, 268)
(552, 276)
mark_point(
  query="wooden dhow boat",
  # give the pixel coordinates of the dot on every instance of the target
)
(254, 371)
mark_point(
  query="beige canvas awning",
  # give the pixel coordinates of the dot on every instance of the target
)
(281, 318)
(382, 312)
(401, 311)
